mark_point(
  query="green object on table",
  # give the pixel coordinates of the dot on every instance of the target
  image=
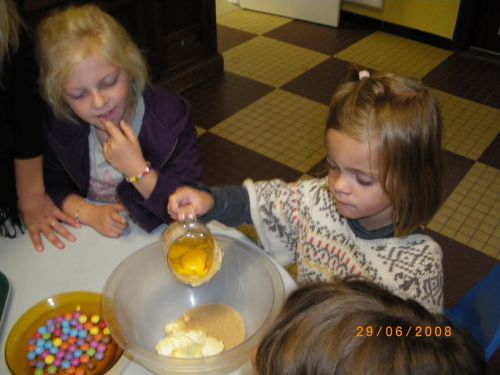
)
(4, 294)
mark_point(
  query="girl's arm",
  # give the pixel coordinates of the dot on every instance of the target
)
(182, 168)
(275, 208)
(123, 151)
(105, 219)
(229, 205)
(39, 213)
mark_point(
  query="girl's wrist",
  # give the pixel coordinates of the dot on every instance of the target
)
(140, 174)
(83, 211)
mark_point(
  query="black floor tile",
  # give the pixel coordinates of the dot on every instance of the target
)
(218, 98)
(455, 168)
(491, 156)
(228, 37)
(469, 77)
(320, 82)
(226, 163)
(320, 38)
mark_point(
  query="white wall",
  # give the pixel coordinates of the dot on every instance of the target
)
(325, 12)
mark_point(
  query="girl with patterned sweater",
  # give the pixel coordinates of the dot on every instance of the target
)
(383, 144)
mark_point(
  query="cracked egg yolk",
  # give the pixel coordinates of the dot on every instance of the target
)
(190, 256)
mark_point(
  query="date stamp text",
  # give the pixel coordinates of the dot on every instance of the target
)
(400, 331)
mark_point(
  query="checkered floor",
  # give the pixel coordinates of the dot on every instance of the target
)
(264, 118)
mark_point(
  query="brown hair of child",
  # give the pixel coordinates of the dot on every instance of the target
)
(400, 119)
(332, 328)
(10, 25)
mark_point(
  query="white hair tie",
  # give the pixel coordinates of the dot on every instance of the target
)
(363, 74)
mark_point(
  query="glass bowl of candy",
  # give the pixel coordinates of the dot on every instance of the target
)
(65, 333)
(193, 254)
(171, 327)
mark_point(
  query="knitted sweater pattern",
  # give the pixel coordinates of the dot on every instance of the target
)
(299, 222)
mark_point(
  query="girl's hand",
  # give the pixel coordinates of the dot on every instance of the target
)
(106, 219)
(42, 216)
(187, 201)
(122, 149)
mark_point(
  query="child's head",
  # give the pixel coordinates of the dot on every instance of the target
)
(68, 39)
(331, 328)
(383, 139)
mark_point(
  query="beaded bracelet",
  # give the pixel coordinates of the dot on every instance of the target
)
(77, 213)
(141, 175)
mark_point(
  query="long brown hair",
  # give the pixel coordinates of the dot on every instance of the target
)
(331, 328)
(10, 24)
(400, 118)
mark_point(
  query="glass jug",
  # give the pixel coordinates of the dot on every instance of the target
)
(192, 252)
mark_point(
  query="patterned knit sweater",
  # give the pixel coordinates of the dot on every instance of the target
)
(298, 222)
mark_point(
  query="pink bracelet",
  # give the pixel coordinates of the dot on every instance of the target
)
(141, 175)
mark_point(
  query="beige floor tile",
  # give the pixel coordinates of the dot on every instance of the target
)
(199, 131)
(435, 226)
(468, 127)
(270, 61)
(286, 127)
(390, 53)
(252, 22)
(477, 224)
(492, 251)
(224, 7)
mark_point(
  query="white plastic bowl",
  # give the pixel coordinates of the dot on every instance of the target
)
(141, 296)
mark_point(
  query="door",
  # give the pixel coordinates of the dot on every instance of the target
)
(325, 12)
(478, 25)
(487, 35)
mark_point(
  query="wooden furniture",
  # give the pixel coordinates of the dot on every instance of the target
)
(178, 37)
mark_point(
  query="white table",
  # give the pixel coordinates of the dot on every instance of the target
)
(83, 265)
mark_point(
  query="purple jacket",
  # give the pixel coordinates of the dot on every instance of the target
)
(167, 139)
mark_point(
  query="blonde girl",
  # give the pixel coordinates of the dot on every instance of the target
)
(113, 138)
(383, 149)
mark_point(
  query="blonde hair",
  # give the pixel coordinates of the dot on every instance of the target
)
(400, 119)
(10, 24)
(331, 328)
(67, 37)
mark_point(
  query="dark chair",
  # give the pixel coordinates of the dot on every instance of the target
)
(479, 312)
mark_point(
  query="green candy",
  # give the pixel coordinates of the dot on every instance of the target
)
(91, 352)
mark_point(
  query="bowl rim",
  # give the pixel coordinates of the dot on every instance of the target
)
(224, 360)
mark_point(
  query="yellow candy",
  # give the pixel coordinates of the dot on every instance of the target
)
(49, 359)
(57, 342)
(106, 331)
(94, 331)
(95, 318)
(82, 319)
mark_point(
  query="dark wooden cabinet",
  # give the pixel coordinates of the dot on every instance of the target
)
(178, 37)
